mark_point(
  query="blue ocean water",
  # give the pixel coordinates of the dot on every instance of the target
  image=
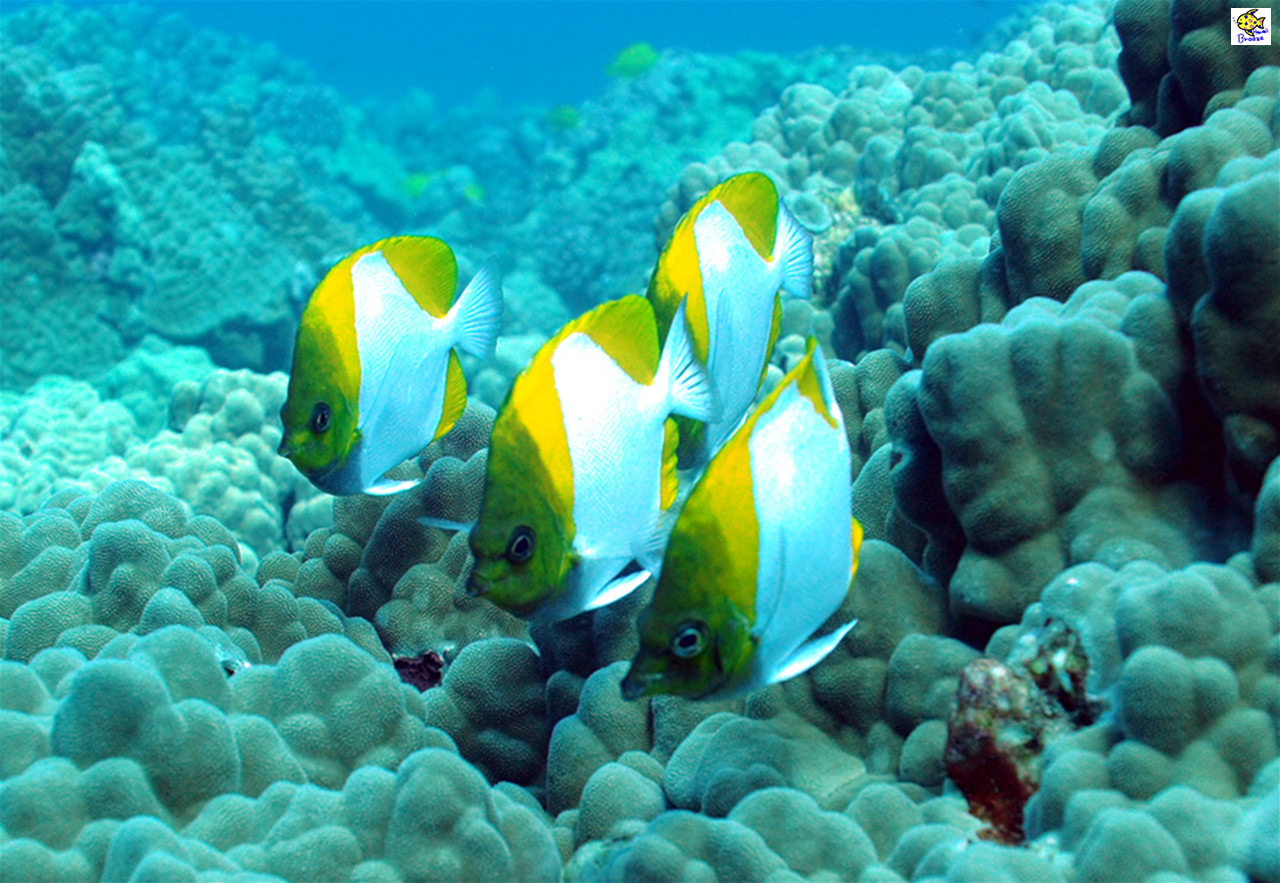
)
(556, 51)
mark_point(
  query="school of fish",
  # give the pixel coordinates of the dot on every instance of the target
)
(632, 447)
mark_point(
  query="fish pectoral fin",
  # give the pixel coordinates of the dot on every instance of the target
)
(384, 486)
(810, 653)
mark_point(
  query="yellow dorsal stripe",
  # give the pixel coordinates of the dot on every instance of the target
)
(455, 396)
(426, 268)
(806, 378)
(753, 200)
(670, 480)
(626, 330)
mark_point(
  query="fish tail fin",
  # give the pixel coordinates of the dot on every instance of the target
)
(478, 313)
(681, 373)
(795, 249)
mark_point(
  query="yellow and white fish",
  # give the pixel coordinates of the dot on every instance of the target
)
(375, 378)
(731, 254)
(761, 555)
(582, 463)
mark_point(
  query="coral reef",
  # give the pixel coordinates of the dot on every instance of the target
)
(1054, 266)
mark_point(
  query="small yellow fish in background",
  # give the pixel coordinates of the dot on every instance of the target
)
(731, 254)
(1249, 21)
(375, 378)
(582, 463)
(761, 555)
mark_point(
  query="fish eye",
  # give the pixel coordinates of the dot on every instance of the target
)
(320, 415)
(689, 640)
(520, 546)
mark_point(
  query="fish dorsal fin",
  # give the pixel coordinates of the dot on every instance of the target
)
(455, 397)
(626, 331)
(426, 267)
(670, 477)
(814, 383)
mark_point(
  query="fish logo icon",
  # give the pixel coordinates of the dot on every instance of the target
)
(1249, 26)
(1250, 21)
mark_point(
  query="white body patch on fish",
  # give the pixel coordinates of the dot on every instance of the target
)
(800, 468)
(739, 288)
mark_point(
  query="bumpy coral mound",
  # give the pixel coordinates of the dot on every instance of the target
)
(82, 571)
(1063, 424)
(218, 452)
(1053, 438)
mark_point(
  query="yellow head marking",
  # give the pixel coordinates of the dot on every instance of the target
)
(528, 488)
(325, 378)
(707, 587)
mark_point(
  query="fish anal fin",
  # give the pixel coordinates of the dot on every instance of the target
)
(455, 397)
(385, 486)
(670, 477)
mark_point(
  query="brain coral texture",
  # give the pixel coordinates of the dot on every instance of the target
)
(1048, 280)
